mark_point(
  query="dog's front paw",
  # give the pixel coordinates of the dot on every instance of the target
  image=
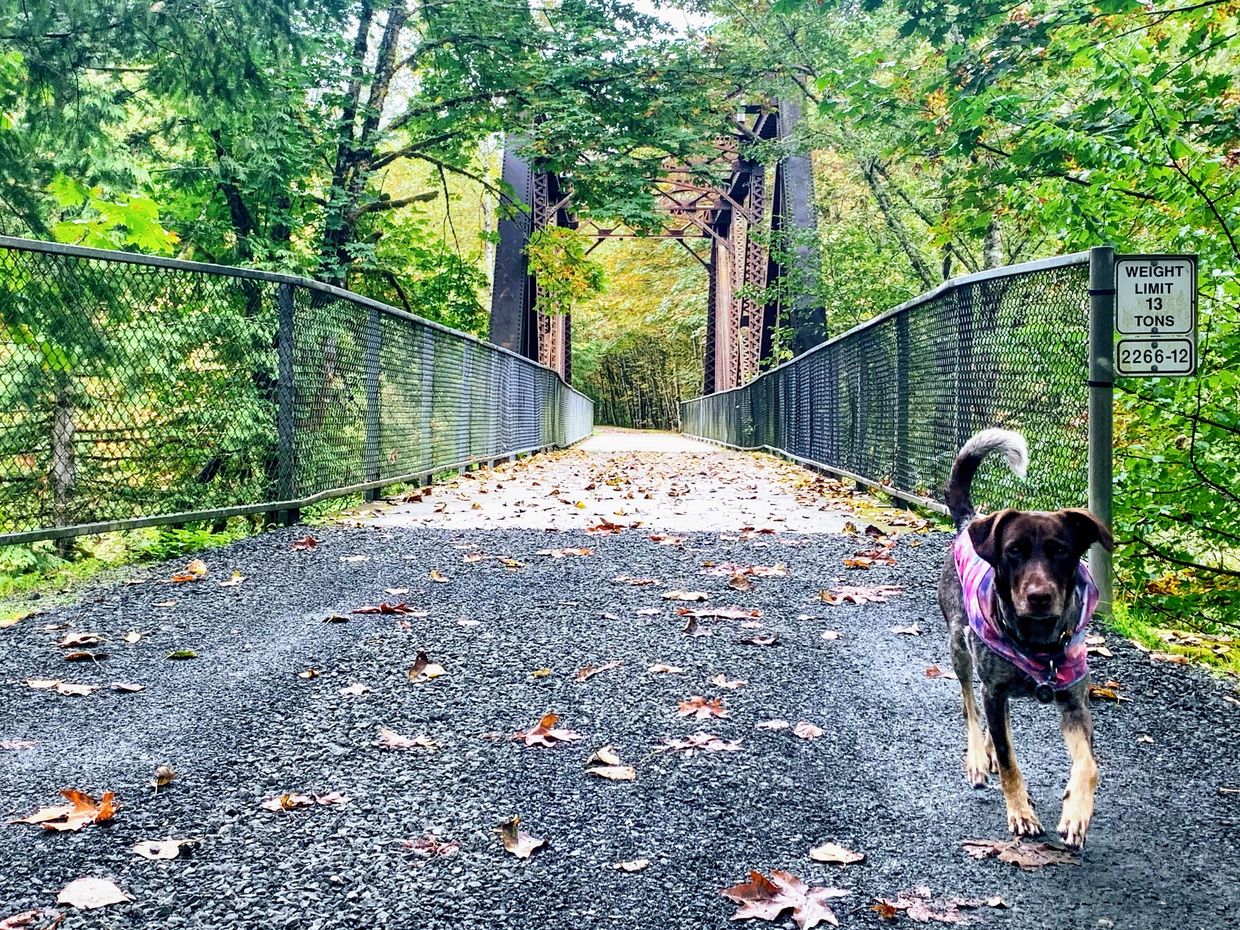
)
(1022, 821)
(1078, 811)
(977, 766)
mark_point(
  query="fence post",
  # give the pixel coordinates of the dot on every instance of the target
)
(426, 433)
(286, 398)
(902, 475)
(370, 449)
(1101, 378)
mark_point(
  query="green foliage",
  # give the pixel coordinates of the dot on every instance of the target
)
(989, 132)
(638, 346)
(557, 260)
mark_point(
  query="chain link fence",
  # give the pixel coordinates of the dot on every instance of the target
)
(891, 401)
(137, 391)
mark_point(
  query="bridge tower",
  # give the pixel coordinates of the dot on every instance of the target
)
(739, 217)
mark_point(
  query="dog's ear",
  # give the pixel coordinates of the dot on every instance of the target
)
(1086, 529)
(987, 534)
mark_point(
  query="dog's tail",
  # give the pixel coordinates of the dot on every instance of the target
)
(1015, 451)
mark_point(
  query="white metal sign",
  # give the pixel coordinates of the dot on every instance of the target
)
(1156, 315)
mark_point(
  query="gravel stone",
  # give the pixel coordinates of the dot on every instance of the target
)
(886, 777)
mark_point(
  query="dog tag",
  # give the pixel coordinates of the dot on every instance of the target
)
(1044, 693)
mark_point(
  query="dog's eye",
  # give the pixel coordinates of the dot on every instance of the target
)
(1054, 549)
(1017, 550)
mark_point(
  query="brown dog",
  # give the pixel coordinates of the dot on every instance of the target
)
(1017, 598)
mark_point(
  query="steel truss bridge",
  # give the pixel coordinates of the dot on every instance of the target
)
(738, 216)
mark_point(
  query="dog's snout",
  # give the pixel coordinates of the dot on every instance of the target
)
(1040, 599)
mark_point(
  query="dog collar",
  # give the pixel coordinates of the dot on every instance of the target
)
(1051, 672)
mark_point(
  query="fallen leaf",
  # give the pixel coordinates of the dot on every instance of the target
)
(233, 580)
(1173, 658)
(631, 865)
(429, 847)
(685, 596)
(305, 543)
(89, 893)
(835, 854)
(132, 637)
(772, 725)
(437, 576)
(721, 613)
(740, 583)
(934, 671)
(731, 684)
(335, 618)
(183, 654)
(164, 604)
(14, 745)
(587, 672)
(1027, 855)
(760, 639)
(1106, 692)
(702, 740)
(1144, 738)
(309, 673)
(911, 630)
(390, 739)
(605, 528)
(81, 811)
(395, 592)
(635, 582)
(69, 689)
(545, 733)
(541, 673)
(660, 668)
(564, 553)
(25, 920)
(355, 689)
(196, 570)
(384, 608)
(613, 772)
(517, 841)
(331, 799)
(605, 755)
(859, 595)
(807, 730)
(78, 640)
(287, 802)
(423, 669)
(767, 898)
(85, 656)
(831, 635)
(920, 907)
(884, 910)
(667, 540)
(702, 709)
(163, 849)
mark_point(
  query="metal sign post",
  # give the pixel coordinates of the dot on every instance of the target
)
(1101, 378)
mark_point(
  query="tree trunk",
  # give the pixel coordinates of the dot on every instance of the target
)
(870, 170)
(992, 245)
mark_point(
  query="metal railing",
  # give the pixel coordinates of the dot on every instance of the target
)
(137, 391)
(890, 402)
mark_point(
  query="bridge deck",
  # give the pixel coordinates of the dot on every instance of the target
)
(239, 726)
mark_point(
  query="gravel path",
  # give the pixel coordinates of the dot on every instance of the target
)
(239, 726)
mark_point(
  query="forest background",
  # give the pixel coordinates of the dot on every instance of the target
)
(357, 141)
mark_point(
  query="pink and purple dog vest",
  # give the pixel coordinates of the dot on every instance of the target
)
(1051, 672)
